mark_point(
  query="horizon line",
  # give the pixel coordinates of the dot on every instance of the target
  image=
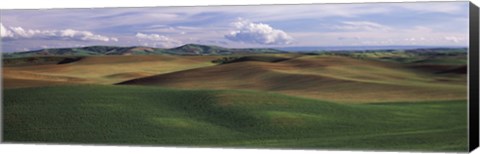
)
(282, 47)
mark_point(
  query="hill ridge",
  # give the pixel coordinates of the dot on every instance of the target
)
(187, 49)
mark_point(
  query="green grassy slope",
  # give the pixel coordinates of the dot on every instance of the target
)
(158, 116)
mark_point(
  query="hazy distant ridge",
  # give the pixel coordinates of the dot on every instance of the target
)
(339, 48)
(197, 49)
(188, 49)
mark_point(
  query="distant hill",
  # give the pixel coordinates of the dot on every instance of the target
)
(357, 48)
(198, 49)
(188, 49)
(86, 51)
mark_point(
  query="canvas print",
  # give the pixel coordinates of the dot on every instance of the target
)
(360, 76)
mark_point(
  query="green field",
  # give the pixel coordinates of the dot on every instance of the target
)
(134, 115)
(412, 100)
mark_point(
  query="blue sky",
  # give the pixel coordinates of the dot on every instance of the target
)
(368, 24)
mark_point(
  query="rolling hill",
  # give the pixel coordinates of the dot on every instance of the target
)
(187, 49)
(335, 78)
(356, 100)
(140, 115)
(93, 69)
(357, 77)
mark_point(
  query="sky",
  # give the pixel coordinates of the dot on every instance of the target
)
(367, 24)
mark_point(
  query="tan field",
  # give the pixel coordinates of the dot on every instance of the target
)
(101, 69)
(334, 78)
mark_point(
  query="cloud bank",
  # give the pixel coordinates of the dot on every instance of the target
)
(12, 33)
(257, 33)
(157, 40)
(429, 24)
(4, 32)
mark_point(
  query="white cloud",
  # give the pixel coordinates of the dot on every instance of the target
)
(84, 35)
(4, 32)
(153, 37)
(453, 39)
(66, 34)
(257, 33)
(362, 26)
(157, 40)
(415, 39)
